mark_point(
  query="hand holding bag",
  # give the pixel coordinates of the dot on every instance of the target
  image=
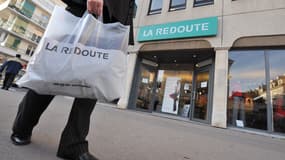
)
(79, 57)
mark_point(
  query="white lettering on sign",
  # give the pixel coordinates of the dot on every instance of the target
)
(197, 26)
(178, 29)
(165, 30)
(181, 29)
(159, 31)
(172, 30)
(147, 33)
(189, 28)
(205, 26)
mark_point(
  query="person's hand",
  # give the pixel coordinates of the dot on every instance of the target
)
(95, 6)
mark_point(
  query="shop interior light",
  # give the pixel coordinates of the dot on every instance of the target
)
(148, 62)
(204, 63)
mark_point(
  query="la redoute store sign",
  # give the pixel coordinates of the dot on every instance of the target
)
(176, 30)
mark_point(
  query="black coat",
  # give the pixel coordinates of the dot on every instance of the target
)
(118, 10)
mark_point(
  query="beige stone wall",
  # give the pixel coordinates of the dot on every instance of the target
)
(34, 29)
(39, 15)
(186, 14)
(219, 108)
(237, 19)
(22, 47)
(253, 24)
(4, 4)
(143, 19)
(247, 6)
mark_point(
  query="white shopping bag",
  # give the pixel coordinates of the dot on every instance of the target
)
(79, 57)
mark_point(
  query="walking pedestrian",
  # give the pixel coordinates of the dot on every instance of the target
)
(12, 68)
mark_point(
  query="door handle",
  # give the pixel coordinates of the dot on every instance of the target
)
(193, 95)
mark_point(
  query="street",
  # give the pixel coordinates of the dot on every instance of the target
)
(117, 134)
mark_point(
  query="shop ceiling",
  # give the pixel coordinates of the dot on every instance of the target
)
(178, 56)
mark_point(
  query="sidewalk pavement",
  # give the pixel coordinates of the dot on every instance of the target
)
(117, 134)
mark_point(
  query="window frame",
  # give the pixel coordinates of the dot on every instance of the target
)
(270, 107)
(30, 50)
(203, 3)
(155, 11)
(177, 7)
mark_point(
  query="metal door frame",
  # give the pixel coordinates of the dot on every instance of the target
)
(136, 84)
(208, 68)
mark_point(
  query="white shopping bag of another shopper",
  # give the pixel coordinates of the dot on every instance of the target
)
(79, 57)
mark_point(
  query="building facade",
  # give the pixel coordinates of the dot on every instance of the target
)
(22, 24)
(218, 62)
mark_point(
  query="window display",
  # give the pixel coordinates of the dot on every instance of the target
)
(173, 93)
(257, 101)
(247, 89)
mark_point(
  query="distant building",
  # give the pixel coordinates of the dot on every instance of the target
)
(22, 25)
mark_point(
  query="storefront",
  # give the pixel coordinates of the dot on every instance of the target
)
(220, 64)
(175, 76)
(240, 86)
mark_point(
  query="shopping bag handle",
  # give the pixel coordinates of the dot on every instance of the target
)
(99, 18)
(86, 30)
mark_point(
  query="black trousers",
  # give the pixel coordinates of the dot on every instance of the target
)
(8, 80)
(73, 139)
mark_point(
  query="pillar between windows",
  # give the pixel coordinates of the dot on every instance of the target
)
(219, 110)
(123, 102)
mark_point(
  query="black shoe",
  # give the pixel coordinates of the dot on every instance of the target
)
(20, 140)
(84, 156)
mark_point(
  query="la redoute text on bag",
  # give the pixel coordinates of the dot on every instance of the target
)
(85, 51)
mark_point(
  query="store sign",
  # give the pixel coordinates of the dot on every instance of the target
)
(239, 123)
(183, 29)
(204, 84)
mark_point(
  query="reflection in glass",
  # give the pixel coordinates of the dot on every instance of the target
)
(202, 2)
(177, 4)
(145, 87)
(155, 7)
(247, 90)
(201, 95)
(277, 88)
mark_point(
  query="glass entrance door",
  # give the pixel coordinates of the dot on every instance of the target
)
(200, 95)
(146, 87)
